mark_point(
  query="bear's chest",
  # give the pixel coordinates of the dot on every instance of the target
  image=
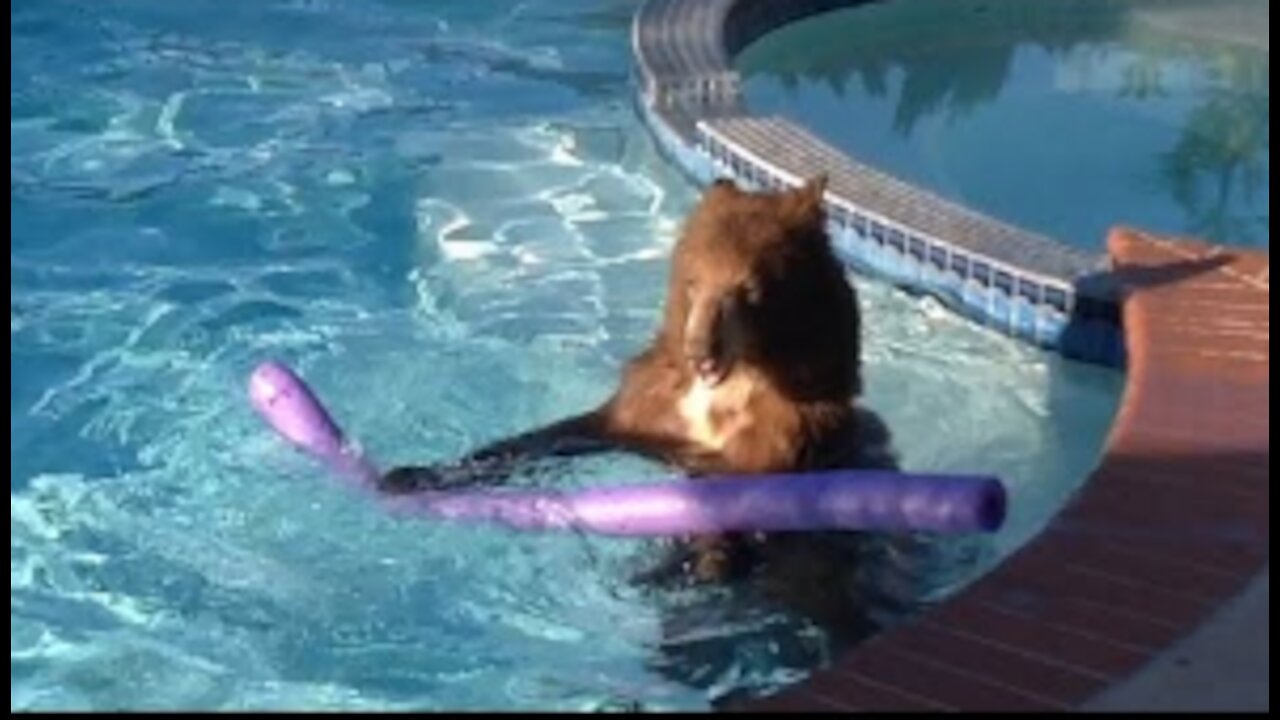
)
(712, 416)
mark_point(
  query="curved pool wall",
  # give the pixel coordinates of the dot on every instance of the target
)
(1015, 281)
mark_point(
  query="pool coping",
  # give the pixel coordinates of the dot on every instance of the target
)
(1150, 548)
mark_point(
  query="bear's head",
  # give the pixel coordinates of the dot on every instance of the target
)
(754, 280)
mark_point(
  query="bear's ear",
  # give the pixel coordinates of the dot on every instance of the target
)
(723, 185)
(804, 204)
(815, 189)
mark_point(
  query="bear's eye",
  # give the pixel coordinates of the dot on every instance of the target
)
(753, 293)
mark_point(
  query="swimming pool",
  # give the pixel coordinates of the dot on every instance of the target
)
(1062, 116)
(447, 217)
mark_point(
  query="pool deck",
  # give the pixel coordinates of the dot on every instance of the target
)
(1222, 666)
(1150, 589)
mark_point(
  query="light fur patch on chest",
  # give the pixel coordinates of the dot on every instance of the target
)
(713, 415)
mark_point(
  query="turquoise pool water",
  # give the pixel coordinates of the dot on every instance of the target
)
(447, 217)
(1062, 116)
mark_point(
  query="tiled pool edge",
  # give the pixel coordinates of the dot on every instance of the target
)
(1014, 281)
(1175, 520)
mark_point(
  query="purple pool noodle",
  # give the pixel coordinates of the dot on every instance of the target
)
(285, 401)
(831, 500)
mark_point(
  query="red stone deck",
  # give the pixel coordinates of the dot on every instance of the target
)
(1173, 523)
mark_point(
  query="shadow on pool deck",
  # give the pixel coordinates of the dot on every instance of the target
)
(1225, 665)
(1150, 277)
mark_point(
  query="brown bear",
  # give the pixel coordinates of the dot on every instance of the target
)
(755, 369)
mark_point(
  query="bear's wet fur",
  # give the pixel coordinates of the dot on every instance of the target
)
(755, 369)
